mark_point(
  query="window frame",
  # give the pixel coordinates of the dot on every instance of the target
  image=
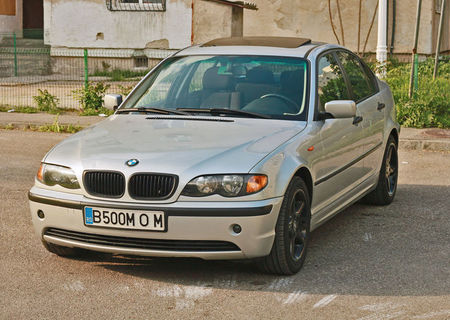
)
(117, 5)
(364, 68)
(344, 75)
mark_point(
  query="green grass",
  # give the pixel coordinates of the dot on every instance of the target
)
(119, 74)
(28, 109)
(430, 105)
(53, 127)
(93, 112)
(19, 109)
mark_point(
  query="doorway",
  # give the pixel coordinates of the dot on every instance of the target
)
(33, 19)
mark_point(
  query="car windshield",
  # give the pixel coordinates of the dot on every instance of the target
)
(237, 86)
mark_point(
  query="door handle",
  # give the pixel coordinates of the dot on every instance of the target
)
(381, 106)
(357, 120)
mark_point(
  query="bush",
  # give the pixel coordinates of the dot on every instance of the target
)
(430, 106)
(46, 101)
(125, 90)
(91, 97)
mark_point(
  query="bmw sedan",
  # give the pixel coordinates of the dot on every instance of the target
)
(234, 149)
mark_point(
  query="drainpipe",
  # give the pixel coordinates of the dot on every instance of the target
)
(382, 38)
(413, 80)
(394, 9)
(192, 23)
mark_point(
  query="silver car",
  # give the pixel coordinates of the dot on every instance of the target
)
(234, 149)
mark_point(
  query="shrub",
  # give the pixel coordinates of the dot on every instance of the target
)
(46, 101)
(430, 106)
(125, 90)
(91, 97)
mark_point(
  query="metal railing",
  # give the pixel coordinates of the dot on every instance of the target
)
(27, 65)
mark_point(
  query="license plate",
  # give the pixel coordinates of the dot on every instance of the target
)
(124, 219)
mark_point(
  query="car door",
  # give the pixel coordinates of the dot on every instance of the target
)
(370, 104)
(337, 169)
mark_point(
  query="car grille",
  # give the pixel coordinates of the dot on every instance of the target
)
(104, 183)
(139, 243)
(151, 186)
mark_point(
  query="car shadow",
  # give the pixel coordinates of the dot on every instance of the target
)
(401, 249)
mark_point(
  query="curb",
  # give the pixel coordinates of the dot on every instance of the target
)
(425, 145)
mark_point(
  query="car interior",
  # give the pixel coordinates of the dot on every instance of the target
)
(258, 90)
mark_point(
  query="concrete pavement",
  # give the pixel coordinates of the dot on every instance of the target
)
(367, 263)
(431, 139)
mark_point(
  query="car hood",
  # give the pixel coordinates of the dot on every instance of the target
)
(173, 144)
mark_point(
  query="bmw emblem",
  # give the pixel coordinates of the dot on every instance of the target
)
(132, 162)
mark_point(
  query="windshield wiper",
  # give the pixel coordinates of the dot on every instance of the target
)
(151, 110)
(220, 111)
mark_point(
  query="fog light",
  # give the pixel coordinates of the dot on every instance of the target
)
(236, 228)
(41, 214)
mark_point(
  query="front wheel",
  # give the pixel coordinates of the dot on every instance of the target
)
(387, 181)
(292, 232)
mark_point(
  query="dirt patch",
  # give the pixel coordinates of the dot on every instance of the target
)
(438, 133)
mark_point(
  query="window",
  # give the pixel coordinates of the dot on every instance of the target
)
(8, 7)
(141, 62)
(331, 81)
(361, 84)
(136, 5)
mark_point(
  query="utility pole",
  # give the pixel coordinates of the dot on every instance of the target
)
(413, 81)
(382, 37)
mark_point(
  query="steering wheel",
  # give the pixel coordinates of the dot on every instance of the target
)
(284, 98)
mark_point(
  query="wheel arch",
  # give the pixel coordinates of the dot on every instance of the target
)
(304, 173)
(394, 133)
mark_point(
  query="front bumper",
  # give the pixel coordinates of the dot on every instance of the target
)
(194, 222)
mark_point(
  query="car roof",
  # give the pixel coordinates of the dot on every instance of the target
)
(270, 46)
(282, 42)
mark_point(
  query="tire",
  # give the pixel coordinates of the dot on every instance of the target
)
(60, 250)
(386, 188)
(292, 232)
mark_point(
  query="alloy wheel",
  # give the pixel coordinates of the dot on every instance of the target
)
(298, 226)
(391, 171)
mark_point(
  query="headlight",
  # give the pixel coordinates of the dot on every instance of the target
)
(231, 185)
(51, 175)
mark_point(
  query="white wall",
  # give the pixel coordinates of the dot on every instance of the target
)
(12, 23)
(76, 24)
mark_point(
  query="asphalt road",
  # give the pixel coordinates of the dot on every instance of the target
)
(368, 263)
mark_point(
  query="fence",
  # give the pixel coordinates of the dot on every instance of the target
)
(27, 65)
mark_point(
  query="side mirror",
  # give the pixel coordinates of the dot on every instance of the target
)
(112, 101)
(341, 108)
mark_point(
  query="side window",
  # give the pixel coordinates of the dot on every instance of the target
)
(362, 85)
(331, 83)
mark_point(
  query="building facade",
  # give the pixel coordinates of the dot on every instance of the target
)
(133, 29)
